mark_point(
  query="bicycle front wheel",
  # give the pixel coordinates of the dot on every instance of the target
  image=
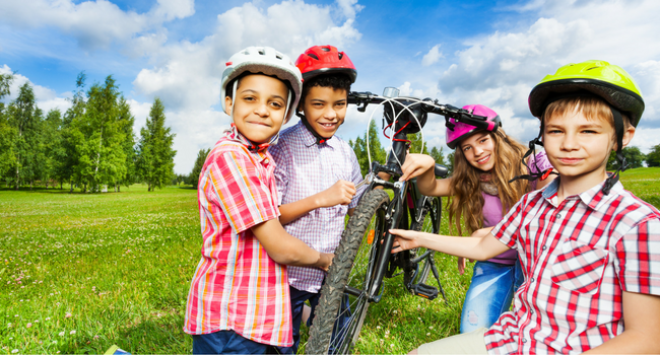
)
(339, 315)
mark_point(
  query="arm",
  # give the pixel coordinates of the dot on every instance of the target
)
(286, 249)
(482, 246)
(422, 167)
(341, 193)
(641, 316)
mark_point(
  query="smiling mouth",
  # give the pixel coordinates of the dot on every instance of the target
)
(483, 160)
(570, 160)
(259, 123)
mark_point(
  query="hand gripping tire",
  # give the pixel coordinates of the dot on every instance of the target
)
(353, 265)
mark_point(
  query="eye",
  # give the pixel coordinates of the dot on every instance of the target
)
(589, 131)
(466, 148)
(248, 98)
(341, 104)
(276, 104)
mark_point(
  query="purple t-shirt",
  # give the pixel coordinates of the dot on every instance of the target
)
(492, 209)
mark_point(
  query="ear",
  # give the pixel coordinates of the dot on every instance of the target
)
(628, 135)
(228, 105)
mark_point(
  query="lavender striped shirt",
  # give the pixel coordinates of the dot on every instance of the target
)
(304, 168)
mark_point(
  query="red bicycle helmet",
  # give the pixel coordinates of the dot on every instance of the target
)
(319, 60)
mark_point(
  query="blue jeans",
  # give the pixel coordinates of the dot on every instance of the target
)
(490, 294)
(228, 342)
(298, 299)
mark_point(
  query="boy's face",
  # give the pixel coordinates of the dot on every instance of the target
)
(325, 109)
(578, 147)
(479, 151)
(259, 107)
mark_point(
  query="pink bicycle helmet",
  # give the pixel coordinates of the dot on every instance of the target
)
(463, 130)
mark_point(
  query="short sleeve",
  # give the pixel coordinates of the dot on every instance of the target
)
(238, 188)
(356, 178)
(507, 231)
(281, 168)
(638, 258)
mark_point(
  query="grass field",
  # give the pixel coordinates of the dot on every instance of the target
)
(81, 272)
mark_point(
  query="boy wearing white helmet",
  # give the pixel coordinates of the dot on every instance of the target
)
(239, 296)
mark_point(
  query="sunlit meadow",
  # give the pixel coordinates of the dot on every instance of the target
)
(81, 272)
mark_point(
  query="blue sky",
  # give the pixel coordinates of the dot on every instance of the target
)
(462, 53)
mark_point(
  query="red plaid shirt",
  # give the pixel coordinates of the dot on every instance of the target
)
(237, 286)
(578, 257)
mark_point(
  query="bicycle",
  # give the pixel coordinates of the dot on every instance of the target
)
(363, 258)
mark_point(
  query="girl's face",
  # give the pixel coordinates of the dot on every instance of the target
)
(259, 107)
(479, 150)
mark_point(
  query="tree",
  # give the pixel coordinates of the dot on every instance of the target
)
(450, 162)
(438, 156)
(156, 156)
(24, 116)
(634, 157)
(7, 133)
(197, 169)
(375, 148)
(653, 158)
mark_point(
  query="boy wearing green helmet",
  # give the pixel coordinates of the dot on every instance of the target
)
(590, 250)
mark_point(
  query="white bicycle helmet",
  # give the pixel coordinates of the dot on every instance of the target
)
(268, 61)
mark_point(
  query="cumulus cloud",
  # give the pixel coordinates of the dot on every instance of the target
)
(432, 56)
(46, 98)
(500, 69)
(94, 24)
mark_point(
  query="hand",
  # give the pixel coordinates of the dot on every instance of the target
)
(341, 193)
(461, 265)
(325, 260)
(404, 240)
(416, 165)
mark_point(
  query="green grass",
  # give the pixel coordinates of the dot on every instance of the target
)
(116, 268)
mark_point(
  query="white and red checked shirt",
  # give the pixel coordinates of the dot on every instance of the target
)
(578, 257)
(236, 285)
(305, 168)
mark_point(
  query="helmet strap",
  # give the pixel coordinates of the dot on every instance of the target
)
(319, 139)
(536, 173)
(622, 165)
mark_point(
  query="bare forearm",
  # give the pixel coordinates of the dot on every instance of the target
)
(480, 246)
(629, 342)
(292, 211)
(284, 248)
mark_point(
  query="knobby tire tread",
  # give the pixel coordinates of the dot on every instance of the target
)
(332, 291)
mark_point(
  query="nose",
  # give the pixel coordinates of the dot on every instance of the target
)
(262, 110)
(478, 150)
(330, 113)
(570, 142)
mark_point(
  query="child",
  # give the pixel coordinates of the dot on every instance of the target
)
(239, 296)
(316, 171)
(484, 162)
(590, 249)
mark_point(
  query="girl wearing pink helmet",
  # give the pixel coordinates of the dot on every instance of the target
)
(485, 160)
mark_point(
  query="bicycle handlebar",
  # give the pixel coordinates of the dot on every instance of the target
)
(363, 99)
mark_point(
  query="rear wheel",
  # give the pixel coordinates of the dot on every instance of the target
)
(353, 266)
(430, 223)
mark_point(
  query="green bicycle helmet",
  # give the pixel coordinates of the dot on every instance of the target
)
(609, 82)
(591, 78)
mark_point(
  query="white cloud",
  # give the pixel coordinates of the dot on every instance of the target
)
(189, 74)
(94, 24)
(432, 56)
(500, 69)
(46, 99)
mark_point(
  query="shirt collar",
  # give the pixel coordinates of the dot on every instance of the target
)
(594, 197)
(259, 149)
(309, 139)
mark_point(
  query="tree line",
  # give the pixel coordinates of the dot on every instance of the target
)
(90, 146)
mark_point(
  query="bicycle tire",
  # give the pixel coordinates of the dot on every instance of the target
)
(430, 224)
(344, 270)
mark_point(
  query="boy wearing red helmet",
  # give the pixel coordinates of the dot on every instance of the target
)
(590, 250)
(316, 171)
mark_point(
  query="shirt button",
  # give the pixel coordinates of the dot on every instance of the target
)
(545, 247)
(558, 215)
(524, 340)
(531, 280)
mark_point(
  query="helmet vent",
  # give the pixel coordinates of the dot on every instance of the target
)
(341, 55)
(313, 56)
(592, 68)
(325, 49)
(278, 56)
(262, 52)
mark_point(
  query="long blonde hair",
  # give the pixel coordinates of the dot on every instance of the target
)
(466, 200)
